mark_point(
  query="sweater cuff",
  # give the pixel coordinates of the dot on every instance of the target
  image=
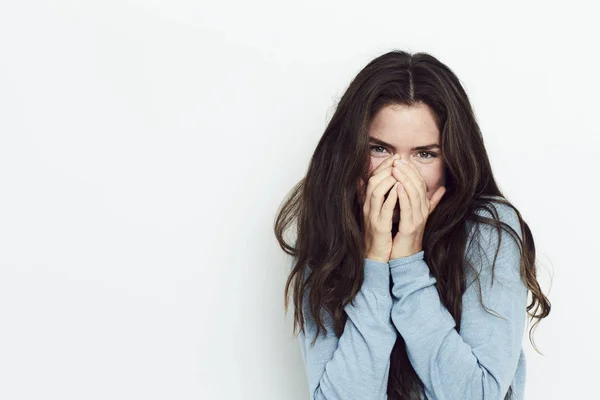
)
(408, 259)
(377, 275)
(409, 266)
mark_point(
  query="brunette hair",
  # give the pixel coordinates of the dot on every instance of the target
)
(326, 203)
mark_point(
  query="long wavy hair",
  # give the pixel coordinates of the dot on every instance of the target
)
(326, 203)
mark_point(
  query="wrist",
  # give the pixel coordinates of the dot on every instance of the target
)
(405, 253)
(376, 258)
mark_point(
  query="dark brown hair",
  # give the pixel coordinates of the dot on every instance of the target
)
(326, 203)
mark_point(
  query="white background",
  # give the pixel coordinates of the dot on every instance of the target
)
(146, 145)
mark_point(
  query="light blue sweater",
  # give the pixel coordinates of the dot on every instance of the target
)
(479, 363)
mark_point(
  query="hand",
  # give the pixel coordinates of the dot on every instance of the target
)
(415, 208)
(378, 217)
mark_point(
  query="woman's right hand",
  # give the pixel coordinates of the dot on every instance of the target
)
(378, 213)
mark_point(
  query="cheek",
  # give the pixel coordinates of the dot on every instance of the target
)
(433, 178)
(375, 161)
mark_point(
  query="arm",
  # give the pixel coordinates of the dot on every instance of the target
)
(355, 365)
(480, 362)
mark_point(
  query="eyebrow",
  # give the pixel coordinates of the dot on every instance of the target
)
(417, 148)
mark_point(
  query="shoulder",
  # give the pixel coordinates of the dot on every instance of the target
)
(493, 249)
(498, 242)
(495, 208)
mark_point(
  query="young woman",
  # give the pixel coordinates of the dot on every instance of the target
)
(411, 271)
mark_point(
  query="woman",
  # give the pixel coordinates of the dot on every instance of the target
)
(411, 271)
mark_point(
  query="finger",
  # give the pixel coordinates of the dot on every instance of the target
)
(378, 195)
(374, 181)
(422, 187)
(387, 211)
(412, 172)
(377, 176)
(404, 204)
(413, 167)
(412, 192)
(388, 162)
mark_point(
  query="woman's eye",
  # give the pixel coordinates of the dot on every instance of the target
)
(427, 153)
(377, 147)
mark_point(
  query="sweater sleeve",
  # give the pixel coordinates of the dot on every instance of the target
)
(480, 362)
(355, 365)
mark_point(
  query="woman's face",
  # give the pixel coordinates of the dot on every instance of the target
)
(406, 130)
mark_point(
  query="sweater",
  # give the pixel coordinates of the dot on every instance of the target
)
(400, 297)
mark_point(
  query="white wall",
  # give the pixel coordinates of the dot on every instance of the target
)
(146, 145)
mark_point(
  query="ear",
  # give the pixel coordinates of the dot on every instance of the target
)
(361, 183)
(360, 186)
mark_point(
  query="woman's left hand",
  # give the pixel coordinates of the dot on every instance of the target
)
(415, 208)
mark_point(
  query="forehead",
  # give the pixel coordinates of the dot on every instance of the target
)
(405, 126)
